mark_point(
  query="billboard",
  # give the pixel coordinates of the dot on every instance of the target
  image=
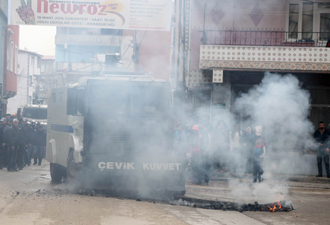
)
(113, 14)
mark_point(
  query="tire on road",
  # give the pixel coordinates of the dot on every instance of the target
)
(56, 173)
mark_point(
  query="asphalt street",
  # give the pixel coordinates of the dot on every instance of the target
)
(28, 197)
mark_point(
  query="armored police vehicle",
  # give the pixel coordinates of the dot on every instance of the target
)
(37, 113)
(114, 133)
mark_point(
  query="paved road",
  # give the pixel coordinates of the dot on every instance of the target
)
(28, 197)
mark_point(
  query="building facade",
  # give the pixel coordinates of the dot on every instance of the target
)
(223, 48)
(29, 66)
(9, 40)
(229, 45)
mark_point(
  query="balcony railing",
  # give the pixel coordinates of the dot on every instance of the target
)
(264, 38)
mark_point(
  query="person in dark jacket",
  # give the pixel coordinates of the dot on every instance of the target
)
(247, 142)
(22, 142)
(39, 143)
(11, 140)
(259, 152)
(3, 151)
(28, 154)
(321, 136)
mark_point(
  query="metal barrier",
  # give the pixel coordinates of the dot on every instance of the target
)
(264, 38)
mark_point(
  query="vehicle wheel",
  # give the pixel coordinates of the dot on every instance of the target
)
(72, 166)
(56, 173)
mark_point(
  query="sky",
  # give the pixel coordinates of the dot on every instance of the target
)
(39, 39)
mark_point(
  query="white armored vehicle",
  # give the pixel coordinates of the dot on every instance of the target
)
(117, 133)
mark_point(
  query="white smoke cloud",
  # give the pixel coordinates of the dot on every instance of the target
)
(281, 107)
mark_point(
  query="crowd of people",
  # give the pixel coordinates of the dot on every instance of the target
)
(220, 149)
(20, 142)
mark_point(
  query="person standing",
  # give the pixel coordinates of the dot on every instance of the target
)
(40, 144)
(28, 154)
(22, 142)
(247, 142)
(235, 137)
(11, 140)
(2, 143)
(259, 152)
(321, 136)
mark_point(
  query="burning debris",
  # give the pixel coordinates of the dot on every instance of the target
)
(279, 206)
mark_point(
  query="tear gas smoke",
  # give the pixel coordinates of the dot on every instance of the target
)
(128, 137)
(119, 130)
(281, 107)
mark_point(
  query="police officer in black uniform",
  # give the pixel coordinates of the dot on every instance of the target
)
(28, 153)
(11, 140)
(40, 144)
(22, 143)
(2, 143)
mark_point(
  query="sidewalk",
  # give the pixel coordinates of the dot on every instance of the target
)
(229, 187)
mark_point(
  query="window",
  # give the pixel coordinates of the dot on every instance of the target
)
(308, 20)
(35, 113)
(325, 26)
(72, 96)
(324, 5)
(293, 20)
(32, 66)
(38, 62)
(303, 25)
(42, 68)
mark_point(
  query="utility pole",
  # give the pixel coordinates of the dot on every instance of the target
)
(204, 32)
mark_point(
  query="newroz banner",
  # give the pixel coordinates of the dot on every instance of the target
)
(114, 14)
